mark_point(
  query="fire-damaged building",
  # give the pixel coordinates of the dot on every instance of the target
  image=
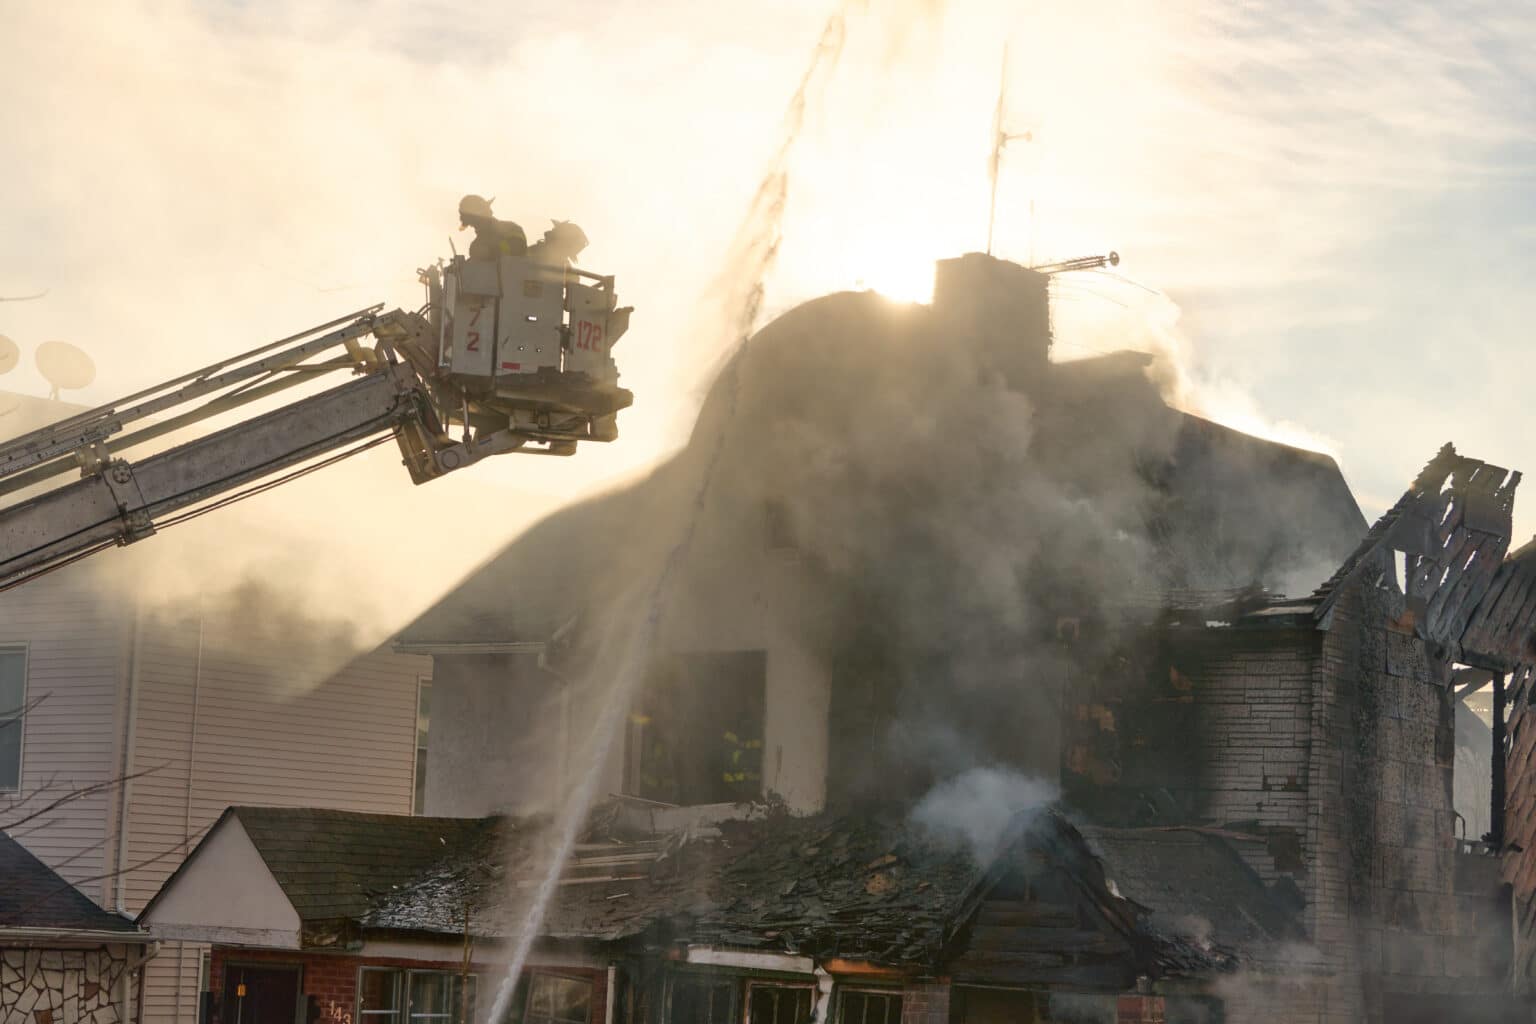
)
(974, 698)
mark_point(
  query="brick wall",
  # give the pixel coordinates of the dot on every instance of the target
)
(1254, 692)
(331, 979)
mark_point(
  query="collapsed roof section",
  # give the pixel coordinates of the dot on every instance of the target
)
(875, 888)
(1438, 558)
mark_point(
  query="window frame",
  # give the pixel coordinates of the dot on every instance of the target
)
(888, 991)
(745, 1016)
(20, 722)
(533, 973)
(402, 987)
(733, 983)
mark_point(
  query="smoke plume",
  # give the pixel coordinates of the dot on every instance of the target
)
(983, 808)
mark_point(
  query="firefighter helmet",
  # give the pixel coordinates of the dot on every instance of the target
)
(476, 207)
(566, 239)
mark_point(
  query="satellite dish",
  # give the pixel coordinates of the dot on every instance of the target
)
(64, 366)
(10, 354)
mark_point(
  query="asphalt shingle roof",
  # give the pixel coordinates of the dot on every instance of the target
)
(33, 895)
(339, 864)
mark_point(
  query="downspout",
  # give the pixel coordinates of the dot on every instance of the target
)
(186, 820)
(125, 787)
(613, 974)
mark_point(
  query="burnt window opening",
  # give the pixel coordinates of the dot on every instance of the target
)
(696, 732)
(869, 1006)
(555, 999)
(770, 1003)
(702, 999)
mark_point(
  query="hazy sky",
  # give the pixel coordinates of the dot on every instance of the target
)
(1328, 207)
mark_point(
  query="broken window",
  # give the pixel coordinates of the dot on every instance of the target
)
(696, 732)
(703, 999)
(13, 699)
(557, 999)
(769, 1003)
(869, 1006)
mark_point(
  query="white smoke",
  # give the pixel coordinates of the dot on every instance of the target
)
(983, 807)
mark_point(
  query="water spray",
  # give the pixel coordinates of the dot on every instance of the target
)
(753, 257)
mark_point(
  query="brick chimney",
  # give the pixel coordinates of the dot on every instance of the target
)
(1000, 309)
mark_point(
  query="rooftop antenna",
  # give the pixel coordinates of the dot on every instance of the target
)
(1000, 139)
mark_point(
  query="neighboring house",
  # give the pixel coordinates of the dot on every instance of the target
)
(151, 720)
(63, 960)
(837, 920)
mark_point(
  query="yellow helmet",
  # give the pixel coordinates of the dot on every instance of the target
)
(474, 207)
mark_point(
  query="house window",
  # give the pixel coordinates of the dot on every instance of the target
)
(778, 526)
(703, 999)
(423, 723)
(13, 700)
(696, 731)
(868, 1006)
(554, 999)
(389, 996)
(778, 1004)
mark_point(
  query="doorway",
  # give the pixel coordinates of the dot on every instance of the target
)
(261, 995)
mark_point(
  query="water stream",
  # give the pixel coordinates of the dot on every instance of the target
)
(753, 256)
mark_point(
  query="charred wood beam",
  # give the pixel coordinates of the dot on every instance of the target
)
(1496, 790)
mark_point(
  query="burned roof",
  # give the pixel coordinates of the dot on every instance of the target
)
(35, 896)
(1195, 886)
(872, 886)
(335, 865)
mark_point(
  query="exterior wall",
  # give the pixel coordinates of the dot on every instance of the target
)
(503, 738)
(1254, 689)
(330, 980)
(497, 737)
(1519, 859)
(75, 633)
(1384, 895)
(218, 723)
(66, 986)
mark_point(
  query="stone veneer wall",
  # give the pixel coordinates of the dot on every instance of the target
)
(62, 986)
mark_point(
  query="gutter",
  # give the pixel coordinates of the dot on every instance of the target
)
(467, 647)
(56, 935)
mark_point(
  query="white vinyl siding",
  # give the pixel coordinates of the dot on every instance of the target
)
(73, 629)
(13, 706)
(271, 728)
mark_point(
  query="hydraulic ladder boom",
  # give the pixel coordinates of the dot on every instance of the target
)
(407, 385)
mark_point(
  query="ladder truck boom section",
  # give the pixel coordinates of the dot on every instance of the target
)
(507, 356)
